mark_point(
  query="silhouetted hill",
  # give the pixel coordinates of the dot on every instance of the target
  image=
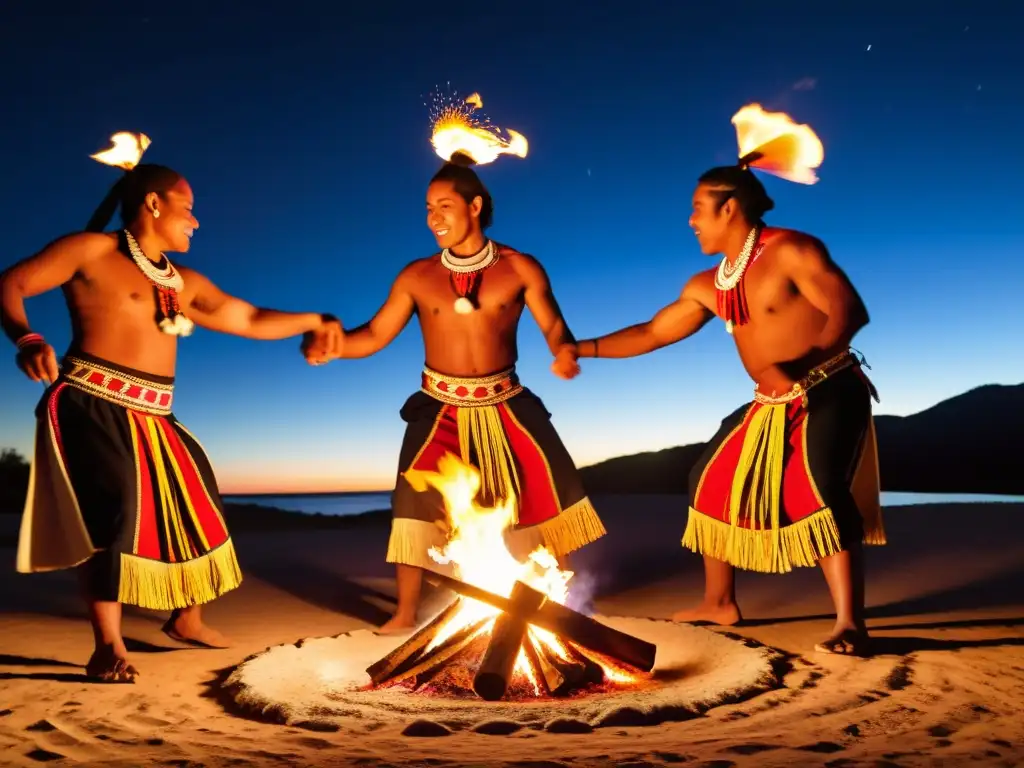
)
(971, 443)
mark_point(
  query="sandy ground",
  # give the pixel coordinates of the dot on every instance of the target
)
(946, 688)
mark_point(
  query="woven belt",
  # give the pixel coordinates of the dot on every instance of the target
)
(814, 377)
(469, 392)
(118, 387)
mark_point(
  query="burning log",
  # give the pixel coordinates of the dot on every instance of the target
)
(415, 667)
(507, 635)
(558, 675)
(567, 624)
(412, 648)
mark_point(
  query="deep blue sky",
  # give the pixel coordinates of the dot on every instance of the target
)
(305, 138)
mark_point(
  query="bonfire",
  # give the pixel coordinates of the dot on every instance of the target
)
(508, 633)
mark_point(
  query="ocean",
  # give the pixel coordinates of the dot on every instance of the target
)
(358, 503)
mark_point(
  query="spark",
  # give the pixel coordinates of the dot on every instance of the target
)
(449, 106)
(869, 46)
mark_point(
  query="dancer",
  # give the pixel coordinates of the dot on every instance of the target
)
(792, 478)
(118, 487)
(469, 299)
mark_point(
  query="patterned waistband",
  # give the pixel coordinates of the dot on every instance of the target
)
(466, 392)
(119, 387)
(815, 376)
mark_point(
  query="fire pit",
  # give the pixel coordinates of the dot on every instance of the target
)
(507, 653)
(555, 650)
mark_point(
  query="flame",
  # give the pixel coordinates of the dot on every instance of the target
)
(476, 548)
(126, 152)
(455, 128)
(786, 149)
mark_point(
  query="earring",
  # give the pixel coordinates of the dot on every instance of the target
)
(156, 214)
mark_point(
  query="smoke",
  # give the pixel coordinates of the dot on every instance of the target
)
(583, 587)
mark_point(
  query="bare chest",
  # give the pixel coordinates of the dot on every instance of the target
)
(114, 285)
(499, 294)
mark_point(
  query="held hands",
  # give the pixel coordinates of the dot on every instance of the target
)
(566, 365)
(325, 343)
(38, 361)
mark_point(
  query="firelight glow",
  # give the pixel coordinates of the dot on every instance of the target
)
(477, 550)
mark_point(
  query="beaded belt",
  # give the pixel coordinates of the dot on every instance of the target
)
(814, 377)
(486, 390)
(118, 387)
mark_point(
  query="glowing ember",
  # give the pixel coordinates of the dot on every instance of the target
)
(780, 146)
(126, 152)
(457, 127)
(477, 551)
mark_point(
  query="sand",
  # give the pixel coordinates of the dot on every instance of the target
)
(946, 687)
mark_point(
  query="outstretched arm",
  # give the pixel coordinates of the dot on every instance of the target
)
(683, 317)
(212, 308)
(823, 284)
(370, 338)
(540, 300)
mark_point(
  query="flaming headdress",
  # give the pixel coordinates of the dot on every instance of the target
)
(773, 143)
(457, 126)
(126, 150)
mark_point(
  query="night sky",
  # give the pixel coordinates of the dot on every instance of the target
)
(306, 139)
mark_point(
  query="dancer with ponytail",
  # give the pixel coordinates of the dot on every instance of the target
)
(469, 299)
(790, 479)
(118, 487)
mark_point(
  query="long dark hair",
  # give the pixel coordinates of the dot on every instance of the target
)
(129, 194)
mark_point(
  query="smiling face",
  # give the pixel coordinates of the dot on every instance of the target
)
(449, 216)
(711, 220)
(175, 224)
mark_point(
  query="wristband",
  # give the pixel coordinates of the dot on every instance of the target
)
(29, 340)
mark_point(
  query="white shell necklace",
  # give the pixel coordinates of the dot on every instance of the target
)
(465, 264)
(168, 283)
(466, 274)
(728, 277)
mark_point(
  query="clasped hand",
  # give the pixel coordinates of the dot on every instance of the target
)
(566, 364)
(325, 343)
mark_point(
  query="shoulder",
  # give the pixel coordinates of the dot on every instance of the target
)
(793, 243)
(417, 267)
(85, 246)
(701, 287)
(526, 265)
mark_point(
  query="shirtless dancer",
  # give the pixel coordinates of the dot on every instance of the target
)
(469, 299)
(807, 439)
(118, 486)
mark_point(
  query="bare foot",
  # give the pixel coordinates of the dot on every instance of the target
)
(845, 641)
(194, 633)
(397, 625)
(721, 615)
(108, 666)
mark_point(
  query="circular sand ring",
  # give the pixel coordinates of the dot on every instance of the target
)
(316, 684)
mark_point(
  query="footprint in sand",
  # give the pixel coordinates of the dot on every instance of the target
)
(750, 749)
(823, 747)
(43, 756)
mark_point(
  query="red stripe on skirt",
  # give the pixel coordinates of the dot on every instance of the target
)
(799, 497)
(538, 499)
(207, 516)
(147, 541)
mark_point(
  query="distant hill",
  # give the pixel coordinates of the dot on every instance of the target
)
(971, 443)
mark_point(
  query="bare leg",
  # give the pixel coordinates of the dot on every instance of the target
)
(109, 660)
(719, 604)
(844, 573)
(186, 625)
(410, 582)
